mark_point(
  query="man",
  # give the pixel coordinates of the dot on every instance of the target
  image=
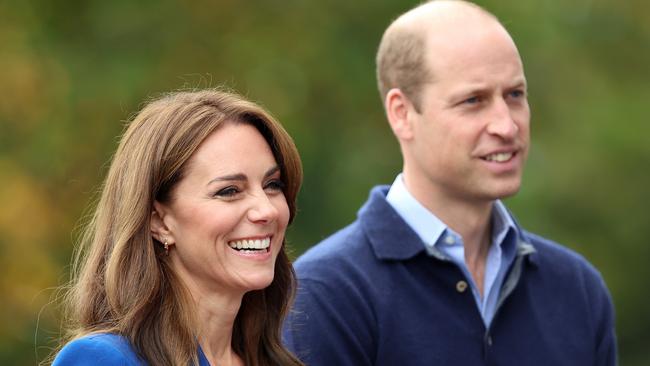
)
(435, 270)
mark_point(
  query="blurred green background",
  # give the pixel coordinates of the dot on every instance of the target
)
(71, 74)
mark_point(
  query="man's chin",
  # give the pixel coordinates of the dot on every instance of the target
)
(503, 190)
(508, 192)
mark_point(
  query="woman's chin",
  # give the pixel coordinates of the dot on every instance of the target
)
(258, 283)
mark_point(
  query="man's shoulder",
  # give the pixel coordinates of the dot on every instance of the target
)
(369, 238)
(559, 259)
(98, 348)
(336, 250)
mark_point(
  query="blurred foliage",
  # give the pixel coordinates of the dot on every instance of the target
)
(71, 74)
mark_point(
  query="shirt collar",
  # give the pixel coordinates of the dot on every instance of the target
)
(425, 224)
(393, 239)
(502, 225)
(390, 237)
(429, 227)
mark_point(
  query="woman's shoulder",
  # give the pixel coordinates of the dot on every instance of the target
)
(98, 349)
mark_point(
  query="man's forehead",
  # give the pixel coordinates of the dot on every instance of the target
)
(466, 45)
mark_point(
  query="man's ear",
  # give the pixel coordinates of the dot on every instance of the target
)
(400, 113)
(159, 228)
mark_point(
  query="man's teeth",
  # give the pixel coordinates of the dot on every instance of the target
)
(499, 157)
(256, 244)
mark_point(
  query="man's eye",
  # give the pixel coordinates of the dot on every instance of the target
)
(227, 192)
(472, 100)
(517, 93)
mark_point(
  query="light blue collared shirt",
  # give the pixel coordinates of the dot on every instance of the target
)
(439, 237)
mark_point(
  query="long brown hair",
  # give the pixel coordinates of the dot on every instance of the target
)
(121, 281)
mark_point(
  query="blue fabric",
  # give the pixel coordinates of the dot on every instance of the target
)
(436, 234)
(371, 295)
(104, 349)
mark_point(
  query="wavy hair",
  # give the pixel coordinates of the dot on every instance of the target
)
(121, 281)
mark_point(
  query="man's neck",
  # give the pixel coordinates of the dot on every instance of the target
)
(471, 219)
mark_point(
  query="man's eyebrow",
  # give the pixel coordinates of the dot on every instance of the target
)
(479, 88)
(465, 91)
(520, 83)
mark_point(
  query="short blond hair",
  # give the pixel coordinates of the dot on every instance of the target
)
(400, 64)
(401, 55)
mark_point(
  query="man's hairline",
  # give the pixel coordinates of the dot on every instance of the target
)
(421, 33)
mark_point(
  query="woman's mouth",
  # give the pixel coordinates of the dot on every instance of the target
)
(251, 245)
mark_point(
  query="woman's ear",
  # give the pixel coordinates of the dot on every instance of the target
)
(399, 112)
(159, 228)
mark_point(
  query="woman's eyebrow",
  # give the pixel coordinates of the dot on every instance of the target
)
(230, 177)
(242, 176)
(271, 171)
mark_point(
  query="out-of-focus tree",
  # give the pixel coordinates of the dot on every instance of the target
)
(72, 73)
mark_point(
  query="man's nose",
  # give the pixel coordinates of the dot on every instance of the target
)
(501, 121)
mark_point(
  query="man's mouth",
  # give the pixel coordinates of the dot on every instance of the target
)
(251, 245)
(499, 157)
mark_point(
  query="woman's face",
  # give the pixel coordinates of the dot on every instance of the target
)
(228, 215)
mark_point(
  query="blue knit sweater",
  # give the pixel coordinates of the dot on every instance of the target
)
(370, 295)
(106, 349)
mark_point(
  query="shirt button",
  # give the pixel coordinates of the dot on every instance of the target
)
(449, 240)
(461, 286)
(489, 341)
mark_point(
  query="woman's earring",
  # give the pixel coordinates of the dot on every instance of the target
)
(166, 248)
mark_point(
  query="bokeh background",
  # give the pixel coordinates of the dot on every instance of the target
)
(72, 72)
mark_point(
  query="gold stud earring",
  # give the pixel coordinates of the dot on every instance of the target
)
(166, 248)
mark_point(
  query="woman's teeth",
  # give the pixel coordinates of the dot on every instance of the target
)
(252, 244)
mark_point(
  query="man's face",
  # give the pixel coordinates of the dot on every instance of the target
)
(471, 136)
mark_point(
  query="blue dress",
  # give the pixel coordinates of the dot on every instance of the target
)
(104, 349)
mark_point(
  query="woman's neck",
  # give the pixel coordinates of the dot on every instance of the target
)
(215, 315)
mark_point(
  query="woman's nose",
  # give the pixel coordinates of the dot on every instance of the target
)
(262, 209)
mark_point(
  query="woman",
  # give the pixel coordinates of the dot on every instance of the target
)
(184, 262)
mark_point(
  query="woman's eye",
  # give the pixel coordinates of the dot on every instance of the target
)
(274, 185)
(227, 192)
